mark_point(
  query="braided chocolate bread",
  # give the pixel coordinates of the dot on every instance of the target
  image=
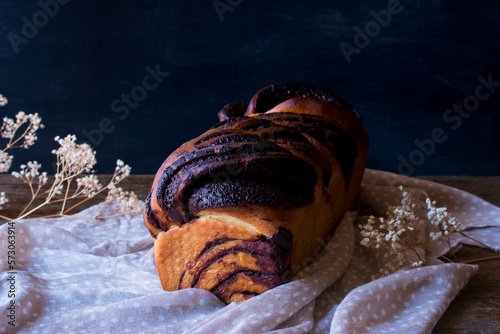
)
(240, 208)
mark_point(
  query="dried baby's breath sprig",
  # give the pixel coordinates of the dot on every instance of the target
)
(445, 224)
(88, 185)
(16, 138)
(440, 218)
(75, 163)
(118, 201)
(10, 127)
(395, 235)
(10, 130)
(126, 201)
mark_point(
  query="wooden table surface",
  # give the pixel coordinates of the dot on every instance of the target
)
(475, 310)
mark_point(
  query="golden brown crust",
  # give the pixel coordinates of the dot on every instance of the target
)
(236, 209)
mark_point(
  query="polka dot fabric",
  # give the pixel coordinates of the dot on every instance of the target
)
(98, 276)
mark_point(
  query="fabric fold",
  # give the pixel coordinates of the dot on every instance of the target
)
(84, 275)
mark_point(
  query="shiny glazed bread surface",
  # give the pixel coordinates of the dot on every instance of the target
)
(243, 207)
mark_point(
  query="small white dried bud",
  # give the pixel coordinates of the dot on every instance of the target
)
(5, 161)
(3, 199)
(74, 158)
(89, 185)
(121, 171)
(3, 100)
(127, 201)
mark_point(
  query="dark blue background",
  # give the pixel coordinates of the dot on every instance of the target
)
(427, 59)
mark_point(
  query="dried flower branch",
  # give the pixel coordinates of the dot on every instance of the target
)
(440, 218)
(10, 130)
(397, 235)
(75, 163)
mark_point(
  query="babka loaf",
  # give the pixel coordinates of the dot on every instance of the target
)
(239, 209)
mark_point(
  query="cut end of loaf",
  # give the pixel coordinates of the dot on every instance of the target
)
(230, 258)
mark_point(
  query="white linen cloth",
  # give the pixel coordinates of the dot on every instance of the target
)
(98, 276)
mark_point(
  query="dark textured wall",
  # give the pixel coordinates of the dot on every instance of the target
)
(425, 75)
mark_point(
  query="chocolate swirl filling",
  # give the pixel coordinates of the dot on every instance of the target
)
(234, 168)
(271, 256)
(244, 161)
